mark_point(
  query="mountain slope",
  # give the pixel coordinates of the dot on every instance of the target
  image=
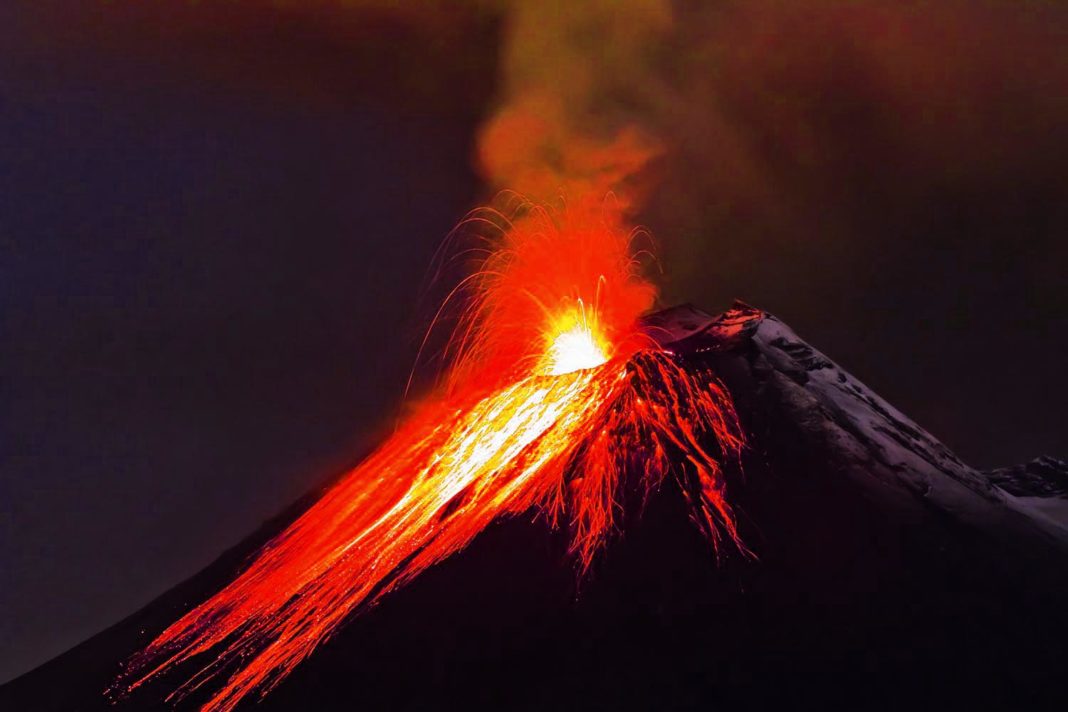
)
(877, 445)
(886, 572)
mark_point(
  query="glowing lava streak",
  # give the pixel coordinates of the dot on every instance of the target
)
(554, 397)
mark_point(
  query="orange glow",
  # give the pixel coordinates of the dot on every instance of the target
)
(553, 399)
(574, 344)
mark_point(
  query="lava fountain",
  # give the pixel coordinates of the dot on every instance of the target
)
(553, 394)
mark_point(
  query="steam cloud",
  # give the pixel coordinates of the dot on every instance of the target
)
(741, 128)
(732, 95)
(579, 82)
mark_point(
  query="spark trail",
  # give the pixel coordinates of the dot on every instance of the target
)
(554, 397)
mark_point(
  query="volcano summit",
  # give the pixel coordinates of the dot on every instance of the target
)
(877, 570)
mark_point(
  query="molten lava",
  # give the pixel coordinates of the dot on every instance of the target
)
(553, 396)
(574, 348)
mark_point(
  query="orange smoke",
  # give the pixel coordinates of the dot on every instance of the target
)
(577, 81)
(530, 147)
(555, 397)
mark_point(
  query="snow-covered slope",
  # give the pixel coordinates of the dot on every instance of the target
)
(1044, 476)
(877, 445)
(1038, 488)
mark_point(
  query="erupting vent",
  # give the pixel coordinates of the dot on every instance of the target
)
(574, 346)
(554, 394)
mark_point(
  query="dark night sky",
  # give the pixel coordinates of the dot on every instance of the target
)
(214, 229)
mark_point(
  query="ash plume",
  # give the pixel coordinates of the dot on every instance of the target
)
(738, 98)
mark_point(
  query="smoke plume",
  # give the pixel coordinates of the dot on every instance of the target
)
(577, 80)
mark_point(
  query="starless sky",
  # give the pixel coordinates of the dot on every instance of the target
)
(215, 221)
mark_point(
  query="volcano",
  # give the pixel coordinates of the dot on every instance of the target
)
(878, 570)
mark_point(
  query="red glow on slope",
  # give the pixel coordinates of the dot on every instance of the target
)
(554, 396)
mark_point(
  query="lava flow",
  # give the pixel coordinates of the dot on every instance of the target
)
(554, 395)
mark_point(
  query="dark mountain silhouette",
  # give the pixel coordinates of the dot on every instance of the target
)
(887, 572)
